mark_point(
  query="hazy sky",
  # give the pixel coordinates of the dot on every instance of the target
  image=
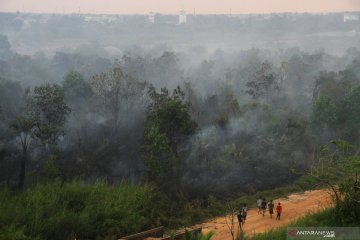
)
(173, 6)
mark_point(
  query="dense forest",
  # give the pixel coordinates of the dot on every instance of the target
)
(161, 122)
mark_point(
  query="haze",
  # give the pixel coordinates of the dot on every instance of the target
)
(173, 6)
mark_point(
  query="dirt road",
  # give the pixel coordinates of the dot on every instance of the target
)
(296, 205)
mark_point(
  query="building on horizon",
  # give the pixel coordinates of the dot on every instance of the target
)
(182, 17)
(351, 17)
(151, 17)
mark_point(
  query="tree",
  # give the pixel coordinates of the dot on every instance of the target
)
(158, 154)
(324, 111)
(262, 81)
(76, 88)
(117, 90)
(49, 112)
(350, 111)
(165, 70)
(229, 106)
(24, 126)
(230, 217)
(339, 170)
(168, 122)
(11, 98)
(172, 115)
(328, 84)
(43, 118)
(14, 121)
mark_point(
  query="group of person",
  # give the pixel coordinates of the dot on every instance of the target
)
(262, 205)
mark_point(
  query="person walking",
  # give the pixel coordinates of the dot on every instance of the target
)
(278, 211)
(240, 220)
(244, 213)
(259, 201)
(271, 208)
(263, 206)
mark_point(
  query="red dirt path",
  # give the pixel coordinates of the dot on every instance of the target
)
(294, 206)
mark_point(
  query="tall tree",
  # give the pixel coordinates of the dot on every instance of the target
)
(24, 126)
(13, 113)
(117, 90)
(168, 122)
(49, 111)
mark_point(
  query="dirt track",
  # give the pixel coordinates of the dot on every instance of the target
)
(294, 206)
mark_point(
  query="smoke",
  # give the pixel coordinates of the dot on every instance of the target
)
(244, 141)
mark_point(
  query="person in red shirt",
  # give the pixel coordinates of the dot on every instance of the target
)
(278, 210)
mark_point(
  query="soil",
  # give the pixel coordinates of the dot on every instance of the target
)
(294, 206)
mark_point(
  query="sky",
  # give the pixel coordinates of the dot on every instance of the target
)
(174, 6)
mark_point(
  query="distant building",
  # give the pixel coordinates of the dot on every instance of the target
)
(151, 17)
(182, 17)
(350, 17)
(100, 18)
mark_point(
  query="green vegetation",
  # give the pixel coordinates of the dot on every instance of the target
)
(168, 121)
(339, 170)
(324, 111)
(64, 211)
(101, 211)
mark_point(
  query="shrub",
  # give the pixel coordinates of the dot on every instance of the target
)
(63, 211)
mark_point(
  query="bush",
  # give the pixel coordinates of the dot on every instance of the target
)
(64, 211)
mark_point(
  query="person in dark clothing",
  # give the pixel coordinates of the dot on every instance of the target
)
(278, 211)
(263, 206)
(244, 213)
(271, 208)
(240, 219)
